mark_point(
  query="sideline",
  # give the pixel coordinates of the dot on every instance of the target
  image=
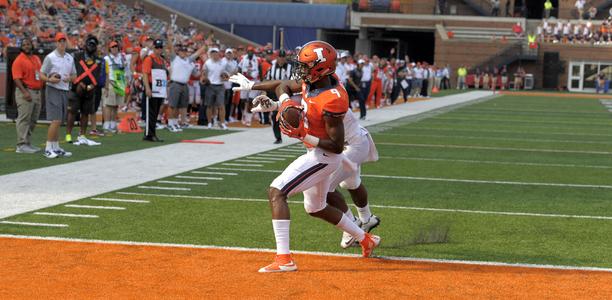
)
(39, 188)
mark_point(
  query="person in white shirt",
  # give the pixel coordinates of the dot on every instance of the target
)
(233, 65)
(249, 67)
(216, 71)
(342, 68)
(113, 93)
(580, 8)
(182, 67)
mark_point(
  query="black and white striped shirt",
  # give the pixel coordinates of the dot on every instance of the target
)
(277, 72)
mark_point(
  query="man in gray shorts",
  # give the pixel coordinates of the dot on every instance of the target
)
(57, 71)
(216, 71)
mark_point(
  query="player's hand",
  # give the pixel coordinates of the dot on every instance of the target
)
(148, 93)
(263, 103)
(288, 130)
(245, 83)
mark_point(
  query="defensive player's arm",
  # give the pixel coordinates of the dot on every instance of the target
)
(334, 126)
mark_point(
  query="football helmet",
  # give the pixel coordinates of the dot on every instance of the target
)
(315, 60)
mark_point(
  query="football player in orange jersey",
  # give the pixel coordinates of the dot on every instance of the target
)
(324, 103)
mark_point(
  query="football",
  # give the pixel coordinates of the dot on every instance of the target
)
(292, 115)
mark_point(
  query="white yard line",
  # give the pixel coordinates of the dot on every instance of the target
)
(497, 138)
(267, 158)
(214, 173)
(496, 162)
(182, 182)
(262, 250)
(41, 213)
(148, 187)
(292, 150)
(249, 161)
(276, 155)
(455, 180)
(95, 207)
(510, 131)
(23, 192)
(247, 170)
(121, 200)
(199, 177)
(522, 121)
(392, 207)
(495, 148)
(242, 165)
(33, 224)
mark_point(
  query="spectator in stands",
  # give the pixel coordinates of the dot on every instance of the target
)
(115, 64)
(495, 8)
(216, 71)
(504, 77)
(155, 75)
(58, 70)
(548, 7)
(580, 8)
(26, 74)
(441, 7)
(592, 12)
(517, 29)
(477, 77)
(461, 73)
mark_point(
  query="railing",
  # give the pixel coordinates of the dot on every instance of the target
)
(507, 56)
(483, 7)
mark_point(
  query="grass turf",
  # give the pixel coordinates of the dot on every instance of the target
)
(479, 220)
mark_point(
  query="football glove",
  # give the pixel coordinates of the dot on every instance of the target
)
(263, 103)
(245, 83)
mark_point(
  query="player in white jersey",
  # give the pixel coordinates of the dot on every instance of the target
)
(359, 148)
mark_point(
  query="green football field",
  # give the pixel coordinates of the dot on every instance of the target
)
(514, 179)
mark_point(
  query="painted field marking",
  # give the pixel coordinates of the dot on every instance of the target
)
(496, 162)
(291, 150)
(247, 170)
(462, 180)
(199, 177)
(121, 200)
(64, 215)
(263, 250)
(163, 188)
(202, 142)
(255, 161)
(182, 182)
(521, 121)
(513, 131)
(496, 148)
(242, 165)
(277, 155)
(266, 158)
(498, 138)
(533, 111)
(451, 210)
(95, 207)
(33, 224)
(214, 173)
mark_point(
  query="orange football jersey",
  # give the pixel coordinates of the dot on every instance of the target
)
(320, 102)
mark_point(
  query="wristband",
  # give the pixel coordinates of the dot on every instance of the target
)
(311, 139)
(284, 97)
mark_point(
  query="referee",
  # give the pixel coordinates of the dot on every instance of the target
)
(280, 70)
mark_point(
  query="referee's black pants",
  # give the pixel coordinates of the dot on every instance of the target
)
(154, 105)
(275, 126)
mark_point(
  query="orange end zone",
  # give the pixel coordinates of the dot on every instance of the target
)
(202, 142)
(55, 269)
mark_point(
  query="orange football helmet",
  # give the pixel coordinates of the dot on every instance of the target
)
(315, 60)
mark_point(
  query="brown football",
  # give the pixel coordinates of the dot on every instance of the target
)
(292, 116)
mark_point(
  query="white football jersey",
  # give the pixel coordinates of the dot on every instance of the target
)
(352, 130)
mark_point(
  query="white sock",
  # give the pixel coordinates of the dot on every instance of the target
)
(347, 225)
(55, 145)
(113, 125)
(349, 214)
(364, 213)
(49, 146)
(106, 125)
(281, 233)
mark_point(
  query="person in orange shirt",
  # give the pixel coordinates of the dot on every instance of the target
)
(376, 87)
(321, 128)
(155, 77)
(26, 74)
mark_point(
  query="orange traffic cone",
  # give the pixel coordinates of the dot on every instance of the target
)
(129, 125)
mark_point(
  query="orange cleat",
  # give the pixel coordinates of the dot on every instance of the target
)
(282, 263)
(368, 244)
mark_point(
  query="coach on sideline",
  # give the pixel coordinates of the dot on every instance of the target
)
(26, 73)
(58, 71)
(155, 75)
